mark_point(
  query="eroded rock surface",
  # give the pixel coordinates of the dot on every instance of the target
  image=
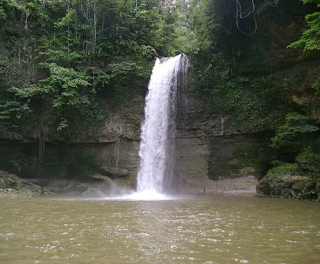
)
(15, 187)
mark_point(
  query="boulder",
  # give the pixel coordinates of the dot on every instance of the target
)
(13, 186)
(280, 185)
(114, 172)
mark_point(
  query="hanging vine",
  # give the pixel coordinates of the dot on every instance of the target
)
(239, 14)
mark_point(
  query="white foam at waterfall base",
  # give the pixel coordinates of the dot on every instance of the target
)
(145, 196)
(127, 194)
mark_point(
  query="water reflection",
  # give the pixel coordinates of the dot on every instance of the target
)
(191, 230)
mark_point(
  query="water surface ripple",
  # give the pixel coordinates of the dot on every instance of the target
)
(201, 229)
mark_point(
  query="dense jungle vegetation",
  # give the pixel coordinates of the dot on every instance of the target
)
(63, 61)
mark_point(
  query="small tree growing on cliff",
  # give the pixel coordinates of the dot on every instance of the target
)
(310, 39)
(292, 131)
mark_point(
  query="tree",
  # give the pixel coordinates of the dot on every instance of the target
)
(295, 127)
(310, 39)
(63, 89)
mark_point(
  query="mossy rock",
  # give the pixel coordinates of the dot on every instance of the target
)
(284, 169)
(279, 181)
(305, 190)
(309, 162)
(287, 181)
(293, 180)
(279, 185)
(299, 185)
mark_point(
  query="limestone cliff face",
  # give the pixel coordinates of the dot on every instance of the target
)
(208, 148)
(213, 153)
(116, 143)
(121, 122)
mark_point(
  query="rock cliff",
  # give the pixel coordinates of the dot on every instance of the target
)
(238, 94)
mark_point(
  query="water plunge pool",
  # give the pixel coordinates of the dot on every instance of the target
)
(194, 229)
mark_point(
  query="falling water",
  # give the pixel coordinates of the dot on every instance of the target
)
(156, 173)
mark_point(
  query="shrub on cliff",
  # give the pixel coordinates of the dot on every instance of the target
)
(293, 180)
(293, 131)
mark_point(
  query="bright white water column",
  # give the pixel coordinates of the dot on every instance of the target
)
(158, 130)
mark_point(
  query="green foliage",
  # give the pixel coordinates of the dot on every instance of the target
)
(65, 84)
(310, 39)
(234, 72)
(292, 130)
(308, 161)
(126, 80)
(63, 90)
(14, 108)
(248, 93)
(61, 60)
(316, 86)
(284, 169)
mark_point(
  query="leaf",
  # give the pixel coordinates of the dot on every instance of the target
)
(63, 124)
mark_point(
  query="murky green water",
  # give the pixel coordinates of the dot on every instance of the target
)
(209, 229)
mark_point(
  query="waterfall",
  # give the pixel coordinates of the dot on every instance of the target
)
(156, 172)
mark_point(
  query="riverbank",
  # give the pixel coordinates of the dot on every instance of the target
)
(97, 186)
(11, 186)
